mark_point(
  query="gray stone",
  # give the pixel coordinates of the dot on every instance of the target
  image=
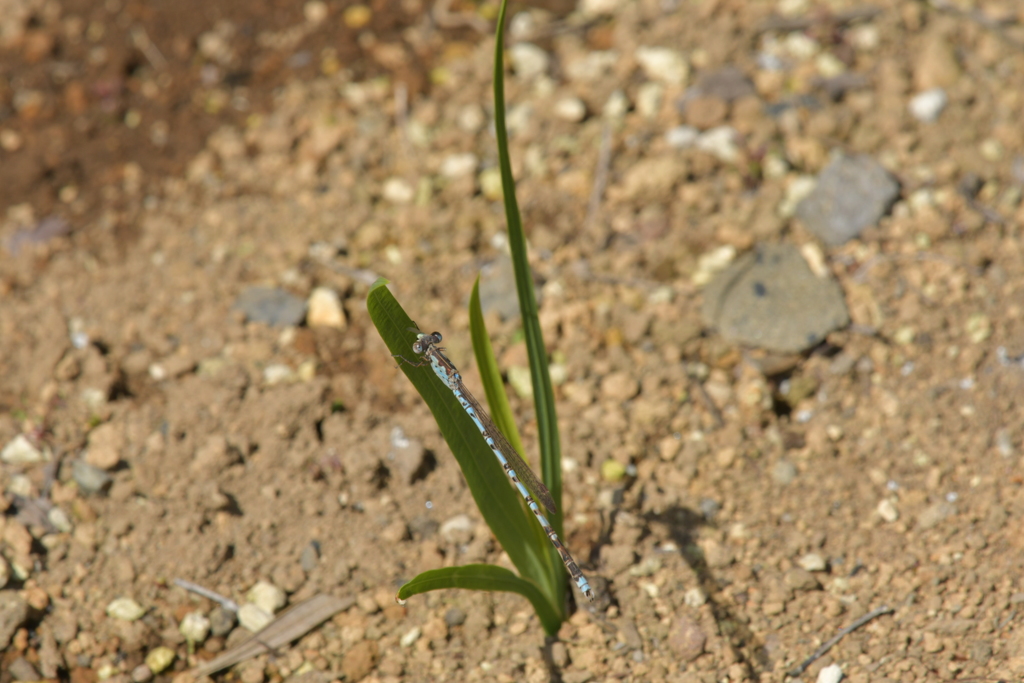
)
(271, 305)
(769, 298)
(852, 194)
(455, 617)
(221, 621)
(90, 479)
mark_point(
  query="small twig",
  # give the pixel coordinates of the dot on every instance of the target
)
(709, 405)
(884, 609)
(226, 603)
(604, 156)
(146, 46)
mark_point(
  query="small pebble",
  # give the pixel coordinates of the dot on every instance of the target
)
(620, 386)
(59, 519)
(21, 485)
(686, 639)
(887, 511)
(459, 165)
(159, 659)
(278, 373)
(90, 479)
(398, 191)
(570, 109)
(649, 97)
(490, 183)
(195, 627)
(663, 64)
(455, 617)
(20, 451)
(125, 609)
(357, 16)
(694, 597)
(927, 106)
(612, 471)
(323, 309)
(833, 673)
(410, 637)
(458, 529)
(252, 618)
(784, 472)
(616, 106)
(681, 137)
(812, 562)
(528, 60)
(720, 142)
(309, 557)
(267, 597)
(978, 328)
(141, 674)
(271, 305)
(222, 620)
(315, 11)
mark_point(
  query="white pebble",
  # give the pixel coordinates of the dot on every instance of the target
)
(21, 485)
(457, 529)
(663, 64)
(315, 11)
(194, 627)
(59, 519)
(887, 511)
(398, 191)
(471, 118)
(681, 137)
(833, 673)
(927, 106)
(570, 109)
(795, 191)
(721, 142)
(459, 165)
(648, 99)
(694, 597)
(616, 106)
(410, 637)
(528, 60)
(812, 562)
(266, 596)
(323, 309)
(594, 8)
(277, 373)
(20, 451)
(125, 609)
(252, 618)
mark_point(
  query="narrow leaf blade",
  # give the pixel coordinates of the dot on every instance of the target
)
(484, 577)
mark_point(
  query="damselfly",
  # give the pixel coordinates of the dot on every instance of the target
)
(427, 348)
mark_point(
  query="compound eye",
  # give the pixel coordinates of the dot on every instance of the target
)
(417, 347)
(436, 335)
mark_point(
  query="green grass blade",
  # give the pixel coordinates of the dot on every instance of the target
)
(498, 501)
(490, 375)
(485, 577)
(543, 395)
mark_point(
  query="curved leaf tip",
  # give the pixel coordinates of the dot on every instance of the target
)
(379, 282)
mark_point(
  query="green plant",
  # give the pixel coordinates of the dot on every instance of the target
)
(541, 578)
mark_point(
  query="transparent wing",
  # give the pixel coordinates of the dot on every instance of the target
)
(522, 470)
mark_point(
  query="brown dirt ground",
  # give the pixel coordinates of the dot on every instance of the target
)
(255, 149)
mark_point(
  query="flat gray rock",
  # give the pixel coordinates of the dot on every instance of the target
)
(271, 305)
(852, 194)
(769, 298)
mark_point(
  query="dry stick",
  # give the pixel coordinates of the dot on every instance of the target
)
(604, 156)
(227, 603)
(884, 609)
